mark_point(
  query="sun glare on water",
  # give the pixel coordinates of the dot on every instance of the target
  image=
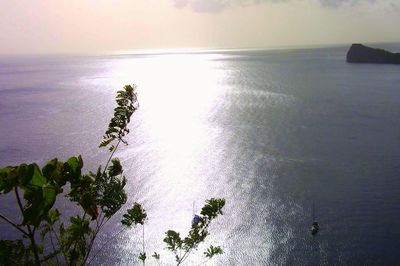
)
(179, 116)
(178, 96)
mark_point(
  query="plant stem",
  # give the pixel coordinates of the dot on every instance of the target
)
(31, 234)
(108, 241)
(184, 257)
(13, 224)
(99, 225)
(109, 159)
(19, 200)
(58, 241)
(143, 245)
(95, 232)
(33, 242)
(54, 248)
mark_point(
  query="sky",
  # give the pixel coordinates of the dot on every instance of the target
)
(119, 26)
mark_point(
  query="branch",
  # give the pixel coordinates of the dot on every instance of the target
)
(13, 224)
(98, 226)
(58, 241)
(31, 235)
(108, 241)
(95, 232)
(54, 248)
(184, 257)
(109, 159)
(19, 200)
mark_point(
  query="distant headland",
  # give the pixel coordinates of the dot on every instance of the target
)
(359, 53)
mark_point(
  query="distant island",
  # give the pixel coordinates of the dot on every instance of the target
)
(359, 53)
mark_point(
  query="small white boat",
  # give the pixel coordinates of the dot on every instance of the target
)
(314, 228)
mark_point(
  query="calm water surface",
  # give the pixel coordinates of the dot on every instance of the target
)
(270, 131)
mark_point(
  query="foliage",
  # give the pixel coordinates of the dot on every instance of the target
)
(182, 248)
(99, 196)
(73, 239)
(15, 253)
(134, 215)
(118, 126)
(197, 234)
(156, 255)
(212, 251)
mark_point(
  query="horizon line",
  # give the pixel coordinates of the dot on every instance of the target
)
(195, 50)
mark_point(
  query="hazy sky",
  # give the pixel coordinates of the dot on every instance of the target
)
(106, 26)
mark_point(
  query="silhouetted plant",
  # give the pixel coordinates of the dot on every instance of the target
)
(182, 248)
(99, 195)
(197, 234)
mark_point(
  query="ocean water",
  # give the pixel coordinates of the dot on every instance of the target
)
(270, 131)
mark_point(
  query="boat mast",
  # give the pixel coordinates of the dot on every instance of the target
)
(313, 211)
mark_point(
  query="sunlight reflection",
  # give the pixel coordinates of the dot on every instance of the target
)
(179, 100)
(177, 94)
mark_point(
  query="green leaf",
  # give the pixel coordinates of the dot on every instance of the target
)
(73, 169)
(213, 208)
(173, 240)
(142, 256)
(197, 234)
(37, 180)
(115, 168)
(135, 215)
(39, 201)
(8, 179)
(54, 170)
(39, 196)
(156, 256)
(25, 173)
(109, 189)
(104, 143)
(88, 203)
(118, 127)
(15, 253)
(73, 240)
(212, 251)
(22, 175)
(53, 216)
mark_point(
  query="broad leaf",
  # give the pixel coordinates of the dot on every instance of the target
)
(39, 201)
(8, 179)
(73, 169)
(54, 170)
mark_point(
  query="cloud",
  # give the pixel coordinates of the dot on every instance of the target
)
(215, 6)
(203, 5)
(394, 7)
(337, 3)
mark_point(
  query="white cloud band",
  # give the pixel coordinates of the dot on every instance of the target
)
(214, 6)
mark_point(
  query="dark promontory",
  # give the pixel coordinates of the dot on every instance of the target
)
(359, 53)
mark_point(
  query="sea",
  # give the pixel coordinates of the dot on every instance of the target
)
(273, 132)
